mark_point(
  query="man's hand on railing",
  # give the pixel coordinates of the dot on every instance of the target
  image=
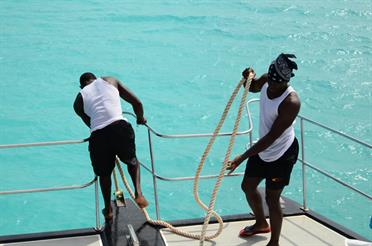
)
(141, 121)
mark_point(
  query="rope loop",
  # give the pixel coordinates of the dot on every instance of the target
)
(209, 209)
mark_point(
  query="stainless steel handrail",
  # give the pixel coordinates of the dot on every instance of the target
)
(188, 178)
(249, 131)
(336, 131)
(9, 146)
(305, 163)
(73, 187)
(198, 135)
(66, 142)
(153, 172)
(156, 176)
(338, 180)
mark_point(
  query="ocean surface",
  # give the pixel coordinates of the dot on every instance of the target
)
(182, 59)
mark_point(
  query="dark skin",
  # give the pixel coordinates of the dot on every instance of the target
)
(133, 170)
(287, 112)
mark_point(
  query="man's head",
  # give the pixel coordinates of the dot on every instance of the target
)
(280, 70)
(86, 79)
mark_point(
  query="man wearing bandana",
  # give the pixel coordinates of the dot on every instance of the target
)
(273, 156)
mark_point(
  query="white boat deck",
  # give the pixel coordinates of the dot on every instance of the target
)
(296, 230)
(93, 240)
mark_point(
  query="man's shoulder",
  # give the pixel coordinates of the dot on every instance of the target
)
(111, 80)
(292, 100)
(106, 78)
(293, 96)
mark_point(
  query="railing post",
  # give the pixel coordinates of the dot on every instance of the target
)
(98, 226)
(153, 176)
(250, 124)
(303, 166)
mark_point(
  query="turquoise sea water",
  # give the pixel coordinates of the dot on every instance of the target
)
(182, 59)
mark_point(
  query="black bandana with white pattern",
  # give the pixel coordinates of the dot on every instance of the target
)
(281, 68)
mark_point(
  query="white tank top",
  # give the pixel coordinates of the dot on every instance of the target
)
(101, 103)
(268, 114)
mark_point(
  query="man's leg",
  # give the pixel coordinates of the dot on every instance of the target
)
(125, 148)
(249, 186)
(134, 172)
(275, 212)
(103, 163)
(105, 183)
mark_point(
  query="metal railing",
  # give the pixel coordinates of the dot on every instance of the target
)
(152, 170)
(71, 187)
(156, 176)
(307, 164)
(251, 141)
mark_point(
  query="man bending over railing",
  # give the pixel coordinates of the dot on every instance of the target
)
(98, 105)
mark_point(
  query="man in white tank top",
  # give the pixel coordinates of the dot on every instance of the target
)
(273, 156)
(98, 105)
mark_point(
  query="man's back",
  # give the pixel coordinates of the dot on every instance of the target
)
(101, 103)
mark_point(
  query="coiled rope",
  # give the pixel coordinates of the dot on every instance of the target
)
(227, 156)
(209, 209)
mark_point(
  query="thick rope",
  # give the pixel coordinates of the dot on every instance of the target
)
(203, 237)
(160, 222)
(119, 195)
(115, 181)
(228, 152)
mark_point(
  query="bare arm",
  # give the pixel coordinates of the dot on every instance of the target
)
(130, 97)
(287, 112)
(79, 109)
(257, 84)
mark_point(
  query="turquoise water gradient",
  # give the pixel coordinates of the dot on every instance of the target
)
(182, 59)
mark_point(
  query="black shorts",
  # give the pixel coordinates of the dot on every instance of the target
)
(277, 173)
(116, 139)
